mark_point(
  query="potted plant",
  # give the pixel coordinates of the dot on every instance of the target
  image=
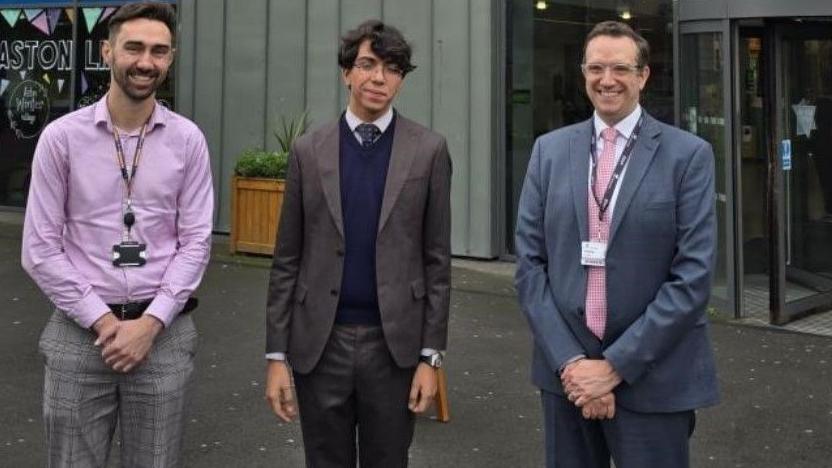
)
(257, 191)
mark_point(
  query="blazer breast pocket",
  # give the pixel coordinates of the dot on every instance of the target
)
(658, 218)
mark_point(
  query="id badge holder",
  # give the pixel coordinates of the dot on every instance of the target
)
(129, 254)
(593, 253)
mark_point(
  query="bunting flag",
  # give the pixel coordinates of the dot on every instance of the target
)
(107, 12)
(54, 16)
(11, 16)
(33, 13)
(84, 85)
(70, 13)
(3, 85)
(60, 85)
(91, 16)
(42, 23)
(47, 79)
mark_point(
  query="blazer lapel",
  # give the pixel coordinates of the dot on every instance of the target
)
(579, 164)
(327, 150)
(401, 157)
(643, 153)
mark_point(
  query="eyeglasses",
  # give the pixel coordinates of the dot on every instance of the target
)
(620, 70)
(370, 66)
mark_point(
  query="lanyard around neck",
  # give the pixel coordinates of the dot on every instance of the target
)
(604, 203)
(137, 154)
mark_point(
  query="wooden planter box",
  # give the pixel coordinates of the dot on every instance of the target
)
(255, 212)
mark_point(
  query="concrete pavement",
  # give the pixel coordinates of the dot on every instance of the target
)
(776, 386)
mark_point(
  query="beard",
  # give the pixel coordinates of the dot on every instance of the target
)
(123, 77)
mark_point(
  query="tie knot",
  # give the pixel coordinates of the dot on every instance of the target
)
(368, 133)
(609, 134)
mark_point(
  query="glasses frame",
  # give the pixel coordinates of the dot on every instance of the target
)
(369, 67)
(620, 70)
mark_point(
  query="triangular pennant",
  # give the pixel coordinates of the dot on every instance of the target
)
(61, 85)
(107, 12)
(11, 16)
(54, 16)
(84, 85)
(47, 79)
(70, 13)
(3, 85)
(42, 23)
(33, 13)
(22, 74)
(91, 16)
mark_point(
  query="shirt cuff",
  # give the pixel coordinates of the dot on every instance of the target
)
(164, 308)
(276, 356)
(431, 352)
(88, 310)
(570, 361)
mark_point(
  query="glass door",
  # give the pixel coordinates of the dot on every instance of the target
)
(802, 233)
(704, 109)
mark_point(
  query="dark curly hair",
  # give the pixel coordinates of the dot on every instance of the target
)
(385, 41)
(148, 10)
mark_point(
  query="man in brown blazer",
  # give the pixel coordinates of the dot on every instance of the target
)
(359, 291)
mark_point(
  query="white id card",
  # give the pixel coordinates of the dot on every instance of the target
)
(593, 253)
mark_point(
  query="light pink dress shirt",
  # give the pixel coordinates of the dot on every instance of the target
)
(75, 208)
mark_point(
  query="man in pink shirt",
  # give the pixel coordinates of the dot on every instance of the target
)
(117, 235)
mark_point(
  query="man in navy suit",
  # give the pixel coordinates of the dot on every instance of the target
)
(615, 244)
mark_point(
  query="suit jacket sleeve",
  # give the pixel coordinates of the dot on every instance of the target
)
(437, 251)
(681, 301)
(286, 263)
(551, 332)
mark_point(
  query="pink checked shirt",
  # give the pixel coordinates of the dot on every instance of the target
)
(75, 208)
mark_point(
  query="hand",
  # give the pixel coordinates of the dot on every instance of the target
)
(280, 393)
(423, 388)
(130, 343)
(105, 327)
(588, 379)
(600, 408)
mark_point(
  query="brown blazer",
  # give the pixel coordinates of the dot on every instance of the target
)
(412, 247)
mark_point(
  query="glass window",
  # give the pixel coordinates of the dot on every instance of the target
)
(544, 82)
(38, 82)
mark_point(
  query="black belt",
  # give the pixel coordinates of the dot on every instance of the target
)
(134, 310)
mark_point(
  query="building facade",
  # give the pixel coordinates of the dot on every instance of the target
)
(747, 75)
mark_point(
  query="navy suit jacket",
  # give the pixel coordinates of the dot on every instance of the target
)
(660, 258)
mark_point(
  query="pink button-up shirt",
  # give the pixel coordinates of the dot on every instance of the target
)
(75, 210)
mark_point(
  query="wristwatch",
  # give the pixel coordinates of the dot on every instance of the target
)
(434, 360)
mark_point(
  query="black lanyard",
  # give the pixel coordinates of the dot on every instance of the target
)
(604, 203)
(128, 177)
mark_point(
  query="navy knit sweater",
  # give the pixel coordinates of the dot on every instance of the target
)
(363, 175)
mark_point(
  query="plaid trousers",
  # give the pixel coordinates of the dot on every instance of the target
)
(83, 399)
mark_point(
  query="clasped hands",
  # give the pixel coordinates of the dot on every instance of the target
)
(588, 383)
(125, 344)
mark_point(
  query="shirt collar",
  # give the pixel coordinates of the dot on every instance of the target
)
(625, 127)
(102, 115)
(382, 122)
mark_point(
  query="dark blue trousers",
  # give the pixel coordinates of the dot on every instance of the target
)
(630, 439)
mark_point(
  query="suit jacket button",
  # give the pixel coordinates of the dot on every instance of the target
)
(334, 292)
(339, 252)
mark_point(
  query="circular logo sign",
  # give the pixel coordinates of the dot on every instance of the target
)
(28, 109)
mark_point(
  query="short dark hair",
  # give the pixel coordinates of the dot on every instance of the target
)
(147, 10)
(385, 41)
(619, 29)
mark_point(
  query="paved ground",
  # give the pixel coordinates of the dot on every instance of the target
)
(776, 386)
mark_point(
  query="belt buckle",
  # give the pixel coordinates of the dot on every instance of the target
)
(123, 311)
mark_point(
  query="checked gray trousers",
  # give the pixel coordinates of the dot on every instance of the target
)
(83, 399)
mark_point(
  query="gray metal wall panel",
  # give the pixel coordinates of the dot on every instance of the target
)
(322, 78)
(209, 37)
(244, 86)
(185, 57)
(690, 10)
(451, 108)
(286, 67)
(413, 19)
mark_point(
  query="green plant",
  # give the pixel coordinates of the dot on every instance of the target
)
(290, 130)
(261, 163)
